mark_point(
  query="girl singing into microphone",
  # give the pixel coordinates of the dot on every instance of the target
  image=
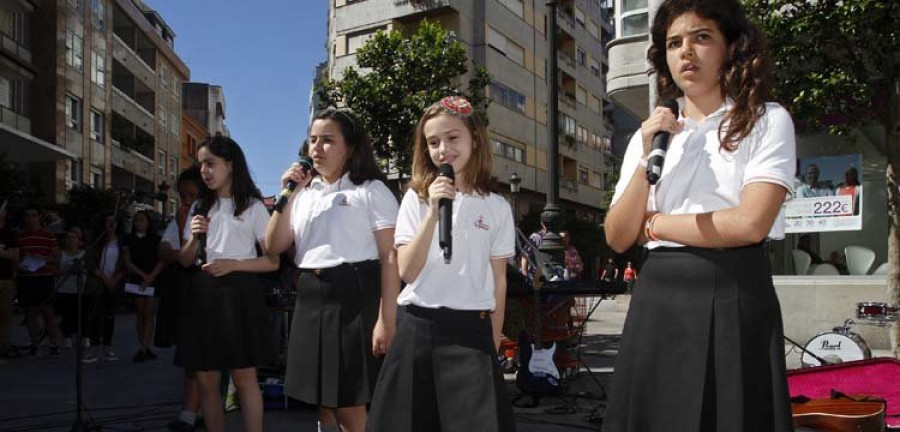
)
(341, 221)
(702, 347)
(441, 372)
(227, 328)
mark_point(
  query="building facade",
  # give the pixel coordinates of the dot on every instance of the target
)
(101, 91)
(206, 103)
(509, 38)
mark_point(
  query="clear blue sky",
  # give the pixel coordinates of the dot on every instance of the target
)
(263, 55)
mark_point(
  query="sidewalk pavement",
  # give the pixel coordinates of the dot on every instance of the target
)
(39, 393)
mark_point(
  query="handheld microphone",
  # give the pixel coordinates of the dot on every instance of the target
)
(306, 164)
(445, 216)
(201, 209)
(660, 144)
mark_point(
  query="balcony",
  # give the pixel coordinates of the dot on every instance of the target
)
(125, 106)
(566, 20)
(566, 60)
(15, 120)
(126, 57)
(627, 81)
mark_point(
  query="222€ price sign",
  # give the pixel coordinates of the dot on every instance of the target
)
(831, 213)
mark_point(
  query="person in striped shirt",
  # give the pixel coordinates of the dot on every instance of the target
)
(39, 252)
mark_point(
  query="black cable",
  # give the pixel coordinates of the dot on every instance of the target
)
(521, 417)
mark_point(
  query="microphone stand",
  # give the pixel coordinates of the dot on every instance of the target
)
(78, 269)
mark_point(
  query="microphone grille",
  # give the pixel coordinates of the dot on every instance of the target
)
(446, 170)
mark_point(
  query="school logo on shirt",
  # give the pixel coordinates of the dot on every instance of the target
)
(479, 223)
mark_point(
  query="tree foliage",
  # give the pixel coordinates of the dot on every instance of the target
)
(398, 77)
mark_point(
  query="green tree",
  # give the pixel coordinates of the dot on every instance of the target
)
(399, 77)
(84, 204)
(11, 177)
(836, 67)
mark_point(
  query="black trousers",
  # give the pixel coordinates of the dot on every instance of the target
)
(101, 324)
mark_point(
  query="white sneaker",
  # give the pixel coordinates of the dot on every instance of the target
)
(89, 356)
(110, 355)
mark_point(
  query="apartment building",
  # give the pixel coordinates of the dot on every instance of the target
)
(509, 38)
(95, 101)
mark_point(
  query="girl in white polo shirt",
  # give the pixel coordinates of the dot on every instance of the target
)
(227, 327)
(341, 222)
(441, 373)
(702, 346)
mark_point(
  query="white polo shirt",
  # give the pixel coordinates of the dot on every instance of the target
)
(170, 236)
(482, 230)
(699, 177)
(231, 237)
(333, 223)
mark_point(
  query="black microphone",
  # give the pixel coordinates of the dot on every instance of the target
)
(660, 144)
(445, 215)
(306, 164)
(201, 209)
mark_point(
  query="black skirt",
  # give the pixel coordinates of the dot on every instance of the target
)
(441, 374)
(330, 361)
(172, 291)
(227, 326)
(702, 346)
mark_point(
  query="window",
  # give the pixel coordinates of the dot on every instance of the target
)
(593, 29)
(176, 87)
(633, 19)
(99, 14)
(161, 163)
(515, 6)
(581, 56)
(583, 175)
(173, 124)
(567, 125)
(579, 16)
(96, 178)
(508, 97)
(581, 95)
(508, 151)
(594, 104)
(357, 40)
(5, 93)
(16, 26)
(163, 115)
(73, 168)
(595, 68)
(581, 134)
(596, 180)
(505, 46)
(73, 112)
(97, 127)
(173, 166)
(164, 78)
(74, 50)
(98, 74)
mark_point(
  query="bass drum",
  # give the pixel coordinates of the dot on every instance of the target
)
(834, 347)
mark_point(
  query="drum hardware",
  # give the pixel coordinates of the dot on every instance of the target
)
(876, 313)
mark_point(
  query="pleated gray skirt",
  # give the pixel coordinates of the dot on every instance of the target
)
(702, 346)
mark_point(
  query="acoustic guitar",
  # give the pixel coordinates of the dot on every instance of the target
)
(841, 414)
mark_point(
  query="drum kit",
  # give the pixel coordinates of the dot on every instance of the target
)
(842, 345)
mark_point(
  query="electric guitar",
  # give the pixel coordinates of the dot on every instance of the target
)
(538, 375)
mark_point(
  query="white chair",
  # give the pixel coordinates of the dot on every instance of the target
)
(859, 259)
(824, 269)
(883, 269)
(801, 261)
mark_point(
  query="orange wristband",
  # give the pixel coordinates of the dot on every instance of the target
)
(649, 227)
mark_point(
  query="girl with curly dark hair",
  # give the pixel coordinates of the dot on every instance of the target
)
(702, 346)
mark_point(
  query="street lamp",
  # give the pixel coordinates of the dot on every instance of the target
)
(551, 217)
(514, 186)
(163, 189)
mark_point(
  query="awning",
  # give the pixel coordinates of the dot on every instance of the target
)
(23, 148)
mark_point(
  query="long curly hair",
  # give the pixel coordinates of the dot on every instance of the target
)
(478, 169)
(745, 76)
